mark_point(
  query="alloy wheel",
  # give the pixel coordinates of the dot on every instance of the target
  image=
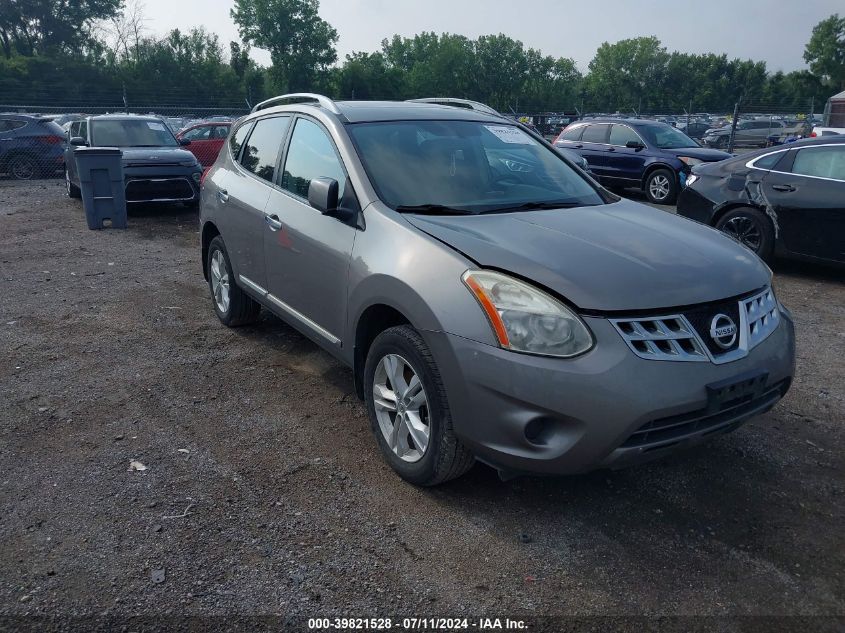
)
(401, 407)
(744, 230)
(23, 168)
(220, 281)
(659, 187)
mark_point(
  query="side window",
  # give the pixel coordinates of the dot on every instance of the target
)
(238, 138)
(199, 134)
(11, 124)
(822, 162)
(769, 162)
(4, 125)
(221, 131)
(311, 155)
(595, 134)
(621, 134)
(261, 152)
(574, 133)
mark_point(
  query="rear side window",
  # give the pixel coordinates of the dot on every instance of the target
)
(311, 155)
(261, 152)
(595, 134)
(7, 125)
(221, 131)
(573, 133)
(822, 162)
(198, 134)
(621, 134)
(769, 162)
(238, 138)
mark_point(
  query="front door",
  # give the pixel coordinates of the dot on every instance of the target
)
(809, 201)
(595, 148)
(307, 253)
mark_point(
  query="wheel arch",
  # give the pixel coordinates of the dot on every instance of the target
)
(374, 320)
(653, 167)
(209, 232)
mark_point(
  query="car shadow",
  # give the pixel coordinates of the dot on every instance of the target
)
(809, 270)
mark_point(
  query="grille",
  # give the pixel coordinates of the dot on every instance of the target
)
(666, 431)
(661, 338)
(762, 318)
(686, 336)
(158, 189)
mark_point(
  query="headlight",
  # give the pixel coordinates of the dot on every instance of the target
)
(525, 319)
(689, 160)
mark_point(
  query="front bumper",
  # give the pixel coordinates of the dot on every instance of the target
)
(162, 184)
(692, 204)
(530, 414)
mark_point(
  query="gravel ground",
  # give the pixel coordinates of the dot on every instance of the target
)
(264, 492)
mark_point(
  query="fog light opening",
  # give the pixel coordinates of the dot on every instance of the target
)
(537, 431)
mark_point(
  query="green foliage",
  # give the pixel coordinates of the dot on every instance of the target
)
(300, 42)
(825, 52)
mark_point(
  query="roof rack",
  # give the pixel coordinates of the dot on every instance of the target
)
(458, 103)
(299, 97)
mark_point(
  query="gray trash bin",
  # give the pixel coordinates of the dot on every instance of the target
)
(103, 190)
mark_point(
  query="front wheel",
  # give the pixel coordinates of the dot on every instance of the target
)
(661, 187)
(232, 305)
(72, 190)
(408, 410)
(751, 228)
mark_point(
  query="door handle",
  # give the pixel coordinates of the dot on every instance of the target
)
(273, 222)
(611, 149)
(223, 195)
(783, 187)
(577, 146)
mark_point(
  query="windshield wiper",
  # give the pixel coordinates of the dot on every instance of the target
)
(431, 209)
(533, 206)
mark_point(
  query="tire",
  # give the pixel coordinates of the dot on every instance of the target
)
(240, 309)
(750, 227)
(444, 457)
(661, 186)
(72, 190)
(22, 167)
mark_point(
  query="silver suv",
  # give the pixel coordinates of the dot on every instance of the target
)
(493, 301)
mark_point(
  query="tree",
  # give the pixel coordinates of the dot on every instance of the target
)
(629, 74)
(825, 52)
(300, 42)
(33, 27)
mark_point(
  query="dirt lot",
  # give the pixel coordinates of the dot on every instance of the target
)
(265, 493)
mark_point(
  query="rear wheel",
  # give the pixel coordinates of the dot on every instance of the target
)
(23, 168)
(232, 305)
(661, 186)
(409, 412)
(750, 227)
(72, 190)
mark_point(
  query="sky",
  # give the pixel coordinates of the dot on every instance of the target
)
(774, 31)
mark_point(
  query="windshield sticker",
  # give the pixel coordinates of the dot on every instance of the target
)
(155, 126)
(510, 134)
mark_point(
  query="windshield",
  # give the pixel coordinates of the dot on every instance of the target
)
(131, 133)
(466, 167)
(666, 137)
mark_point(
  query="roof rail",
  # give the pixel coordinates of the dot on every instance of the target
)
(298, 97)
(458, 103)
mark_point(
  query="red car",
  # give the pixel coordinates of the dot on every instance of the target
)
(206, 140)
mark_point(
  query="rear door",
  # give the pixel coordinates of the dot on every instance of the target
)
(595, 147)
(625, 164)
(244, 192)
(307, 253)
(807, 191)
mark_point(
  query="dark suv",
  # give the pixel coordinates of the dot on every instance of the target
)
(155, 166)
(30, 146)
(652, 156)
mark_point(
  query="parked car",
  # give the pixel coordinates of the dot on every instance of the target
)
(748, 134)
(156, 166)
(826, 131)
(493, 302)
(30, 146)
(695, 130)
(788, 201)
(652, 156)
(206, 140)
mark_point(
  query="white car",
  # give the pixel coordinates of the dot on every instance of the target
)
(826, 131)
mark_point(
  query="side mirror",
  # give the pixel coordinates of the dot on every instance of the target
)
(634, 145)
(184, 141)
(323, 195)
(78, 141)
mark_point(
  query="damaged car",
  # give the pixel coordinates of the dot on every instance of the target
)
(786, 201)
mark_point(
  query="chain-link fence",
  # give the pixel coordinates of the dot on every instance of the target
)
(34, 136)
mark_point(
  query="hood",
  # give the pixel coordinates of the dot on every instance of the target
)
(155, 155)
(623, 256)
(701, 153)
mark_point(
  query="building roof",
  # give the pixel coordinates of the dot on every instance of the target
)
(839, 97)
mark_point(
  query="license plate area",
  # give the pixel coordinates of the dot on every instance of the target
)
(736, 390)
